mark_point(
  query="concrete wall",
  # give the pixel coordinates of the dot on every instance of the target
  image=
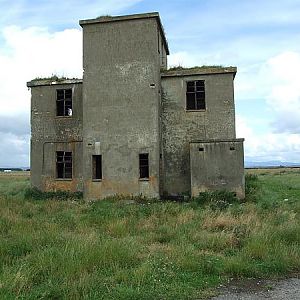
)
(180, 127)
(50, 133)
(217, 165)
(121, 106)
(163, 61)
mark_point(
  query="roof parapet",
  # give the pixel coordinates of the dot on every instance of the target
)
(51, 81)
(106, 19)
(208, 141)
(203, 70)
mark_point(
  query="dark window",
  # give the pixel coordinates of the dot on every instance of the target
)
(195, 95)
(63, 164)
(64, 102)
(97, 167)
(144, 165)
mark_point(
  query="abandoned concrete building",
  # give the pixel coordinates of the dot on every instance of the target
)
(132, 126)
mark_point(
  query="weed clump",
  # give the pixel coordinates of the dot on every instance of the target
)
(203, 67)
(53, 77)
(217, 200)
(251, 186)
(36, 194)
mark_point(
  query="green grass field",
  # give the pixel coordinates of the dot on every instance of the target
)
(116, 249)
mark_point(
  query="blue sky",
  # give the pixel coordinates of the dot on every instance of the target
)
(261, 38)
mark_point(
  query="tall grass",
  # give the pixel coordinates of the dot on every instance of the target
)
(113, 249)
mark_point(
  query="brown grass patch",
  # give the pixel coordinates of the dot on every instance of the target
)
(220, 222)
(186, 217)
(158, 247)
(149, 223)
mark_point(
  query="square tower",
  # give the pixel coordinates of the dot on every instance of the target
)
(122, 59)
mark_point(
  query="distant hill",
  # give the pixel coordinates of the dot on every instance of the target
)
(272, 163)
(14, 169)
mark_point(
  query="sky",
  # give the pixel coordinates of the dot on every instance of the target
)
(260, 37)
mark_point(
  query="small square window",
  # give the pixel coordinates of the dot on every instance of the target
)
(64, 102)
(195, 95)
(63, 164)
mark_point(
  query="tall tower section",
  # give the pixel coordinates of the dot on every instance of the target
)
(122, 60)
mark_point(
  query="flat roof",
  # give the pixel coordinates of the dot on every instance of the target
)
(203, 70)
(106, 19)
(51, 81)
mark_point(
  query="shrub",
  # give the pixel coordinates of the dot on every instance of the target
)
(36, 194)
(251, 186)
(217, 200)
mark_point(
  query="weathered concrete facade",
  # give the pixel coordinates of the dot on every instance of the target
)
(216, 164)
(121, 103)
(181, 126)
(129, 117)
(51, 133)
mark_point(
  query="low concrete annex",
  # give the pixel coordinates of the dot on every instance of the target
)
(131, 126)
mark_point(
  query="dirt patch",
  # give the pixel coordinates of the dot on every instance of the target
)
(259, 289)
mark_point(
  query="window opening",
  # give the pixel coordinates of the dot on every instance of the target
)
(195, 95)
(64, 102)
(63, 164)
(97, 167)
(144, 165)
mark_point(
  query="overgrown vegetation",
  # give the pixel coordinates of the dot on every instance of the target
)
(35, 194)
(217, 199)
(104, 17)
(53, 77)
(179, 67)
(251, 187)
(116, 249)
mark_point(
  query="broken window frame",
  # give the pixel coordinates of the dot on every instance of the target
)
(195, 95)
(144, 166)
(64, 165)
(64, 102)
(97, 167)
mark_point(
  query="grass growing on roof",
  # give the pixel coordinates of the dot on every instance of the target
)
(203, 67)
(114, 249)
(53, 77)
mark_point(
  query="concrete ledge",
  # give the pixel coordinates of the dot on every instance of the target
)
(106, 19)
(205, 70)
(41, 82)
(218, 141)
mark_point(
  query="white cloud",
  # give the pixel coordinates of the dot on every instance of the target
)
(35, 52)
(284, 97)
(190, 59)
(14, 150)
(29, 53)
(268, 146)
(276, 82)
(181, 58)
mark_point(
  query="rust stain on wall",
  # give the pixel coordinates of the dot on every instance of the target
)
(52, 185)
